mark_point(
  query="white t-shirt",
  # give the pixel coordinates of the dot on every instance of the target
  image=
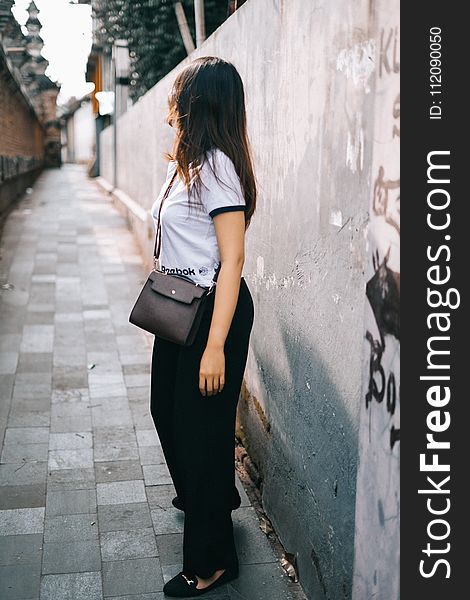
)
(189, 243)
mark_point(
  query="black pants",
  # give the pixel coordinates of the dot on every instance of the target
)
(197, 434)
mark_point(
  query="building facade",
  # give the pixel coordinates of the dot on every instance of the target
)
(29, 127)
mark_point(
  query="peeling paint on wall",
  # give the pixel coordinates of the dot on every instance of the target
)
(355, 146)
(336, 218)
(358, 63)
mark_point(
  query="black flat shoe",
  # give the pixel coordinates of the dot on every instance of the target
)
(235, 502)
(184, 585)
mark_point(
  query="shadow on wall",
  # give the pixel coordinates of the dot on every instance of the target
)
(308, 464)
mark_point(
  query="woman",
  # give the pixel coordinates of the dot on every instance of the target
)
(195, 389)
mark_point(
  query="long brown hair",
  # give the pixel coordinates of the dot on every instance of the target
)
(207, 108)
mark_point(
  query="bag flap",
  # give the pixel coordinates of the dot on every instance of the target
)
(175, 287)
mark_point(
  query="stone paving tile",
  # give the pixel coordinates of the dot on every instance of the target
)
(23, 473)
(118, 517)
(10, 341)
(33, 391)
(70, 459)
(134, 358)
(70, 395)
(15, 453)
(69, 441)
(121, 492)
(72, 358)
(71, 479)
(119, 470)
(102, 313)
(85, 493)
(115, 453)
(147, 437)
(141, 418)
(104, 359)
(26, 435)
(39, 318)
(65, 528)
(170, 549)
(138, 369)
(23, 418)
(15, 297)
(66, 502)
(34, 362)
(18, 582)
(151, 455)
(137, 379)
(16, 521)
(140, 393)
(139, 575)
(167, 520)
(72, 586)
(23, 549)
(160, 496)
(127, 544)
(25, 405)
(22, 496)
(107, 390)
(62, 424)
(71, 557)
(72, 374)
(156, 474)
(37, 338)
(8, 362)
(118, 417)
(31, 379)
(252, 544)
(7, 381)
(68, 317)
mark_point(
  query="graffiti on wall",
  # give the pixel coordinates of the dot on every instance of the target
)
(383, 287)
(376, 546)
(383, 295)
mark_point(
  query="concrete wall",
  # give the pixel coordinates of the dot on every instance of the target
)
(80, 135)
(84, 133)
(308, 69)
(377, 560)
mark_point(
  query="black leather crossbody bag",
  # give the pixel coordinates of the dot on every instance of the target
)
(170, 305)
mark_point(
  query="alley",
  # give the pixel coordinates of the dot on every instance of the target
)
(85, 494)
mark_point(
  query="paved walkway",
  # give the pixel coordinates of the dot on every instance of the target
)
(85, 494)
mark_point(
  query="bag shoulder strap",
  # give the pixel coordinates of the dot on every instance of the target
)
(158, 235)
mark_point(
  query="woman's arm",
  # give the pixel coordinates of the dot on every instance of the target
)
(230, 232)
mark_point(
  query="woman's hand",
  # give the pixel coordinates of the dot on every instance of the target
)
(212, 370)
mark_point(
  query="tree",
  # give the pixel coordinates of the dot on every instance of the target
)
(151, 30)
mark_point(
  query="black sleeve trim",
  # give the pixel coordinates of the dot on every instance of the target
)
(222, 209)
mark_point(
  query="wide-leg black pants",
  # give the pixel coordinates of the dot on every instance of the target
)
(197, 434)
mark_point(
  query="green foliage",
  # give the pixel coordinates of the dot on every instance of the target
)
(151, 29)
